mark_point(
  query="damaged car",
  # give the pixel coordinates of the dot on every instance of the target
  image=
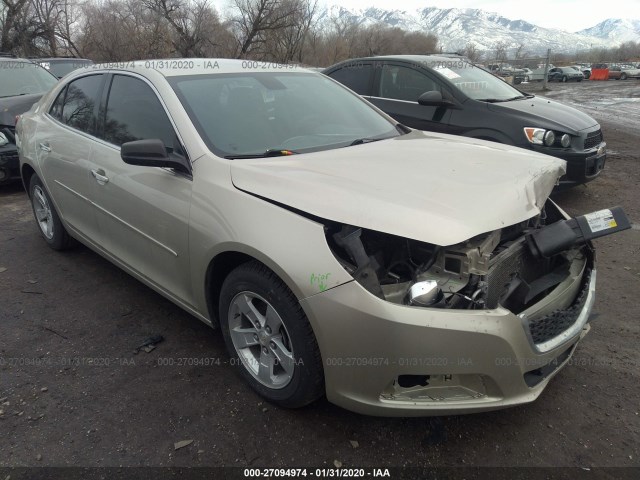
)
(397, 272)
(22, 83)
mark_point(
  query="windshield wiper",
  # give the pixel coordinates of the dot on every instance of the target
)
(360, 141)
(272, 152)
(496, 100)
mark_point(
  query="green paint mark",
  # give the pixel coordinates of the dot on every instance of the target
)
(320, 280)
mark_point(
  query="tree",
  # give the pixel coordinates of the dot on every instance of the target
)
(471, 52)
(194, 24)
(256, 20)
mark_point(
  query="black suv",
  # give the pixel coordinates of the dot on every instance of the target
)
(451, 95)
(22, 83)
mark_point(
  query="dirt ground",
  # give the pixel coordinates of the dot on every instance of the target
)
(73, 393)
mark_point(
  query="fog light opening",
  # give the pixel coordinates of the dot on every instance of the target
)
(408, 381)
(430, 388)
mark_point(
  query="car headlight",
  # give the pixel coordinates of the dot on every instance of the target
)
(549, 138)
(3, 140)
(535, 135)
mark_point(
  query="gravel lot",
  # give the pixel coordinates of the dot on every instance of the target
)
(73, 393)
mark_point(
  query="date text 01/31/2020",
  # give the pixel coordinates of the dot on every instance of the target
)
(317, 472)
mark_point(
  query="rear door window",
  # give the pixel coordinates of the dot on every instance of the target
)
(76, 105)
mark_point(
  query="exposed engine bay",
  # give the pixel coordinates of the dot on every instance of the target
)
(514, 267)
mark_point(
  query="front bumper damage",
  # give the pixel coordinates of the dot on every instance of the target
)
(496, 347)
(463, 361)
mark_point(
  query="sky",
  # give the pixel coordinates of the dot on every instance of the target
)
(569, 15)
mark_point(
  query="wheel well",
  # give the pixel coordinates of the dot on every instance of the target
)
(26, 174)
(217, 271)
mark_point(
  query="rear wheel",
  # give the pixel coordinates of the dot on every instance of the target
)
(623, 76)
(564, 78)
(46, 216)
(269, 338)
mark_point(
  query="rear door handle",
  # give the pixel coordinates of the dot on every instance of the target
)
(100, 177)
(45, 147)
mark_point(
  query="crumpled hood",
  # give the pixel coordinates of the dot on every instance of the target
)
(12, 106)
(435, 188)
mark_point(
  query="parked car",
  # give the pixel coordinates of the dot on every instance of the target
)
(565, 74)
(536, 75)
(631, 72)
(622, 73)
(60, 66)
(615, 72)
(586, 71)
(453, 96)
(517, 75)
(22, 83)
(401, 272)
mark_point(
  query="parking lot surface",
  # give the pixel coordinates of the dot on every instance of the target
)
(73, 392)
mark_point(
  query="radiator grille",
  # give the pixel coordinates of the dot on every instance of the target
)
(593, 139)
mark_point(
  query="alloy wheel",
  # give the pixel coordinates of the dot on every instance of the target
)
(42, 211)
(261, 340)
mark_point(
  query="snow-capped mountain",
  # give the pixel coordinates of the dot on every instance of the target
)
(615, 29)
(456, 27)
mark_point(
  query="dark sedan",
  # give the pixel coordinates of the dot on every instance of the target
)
(451, 95)
(565, 74)
(22, 84)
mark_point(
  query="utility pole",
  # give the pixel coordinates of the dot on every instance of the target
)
(546, 69)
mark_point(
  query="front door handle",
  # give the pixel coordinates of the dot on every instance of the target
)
(100, 177)
(45, 147)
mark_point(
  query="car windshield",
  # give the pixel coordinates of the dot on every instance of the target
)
(267, 113)
(477, 83)
(61, 67)
(23, 78)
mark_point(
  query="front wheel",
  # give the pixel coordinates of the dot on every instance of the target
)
(47, 217)
(269, 338)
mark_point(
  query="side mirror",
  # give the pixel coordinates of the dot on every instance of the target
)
(434, 98)
(152, 153)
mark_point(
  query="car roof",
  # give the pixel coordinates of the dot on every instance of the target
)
(443, 58)
(14, 59)
(171, 67)
(61, 59)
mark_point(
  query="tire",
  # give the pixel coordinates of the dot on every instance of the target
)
(579, 79)
(564, 79)
(47, 218)
(623, 76)
(253, 299)
(526, 78)
(586, 75)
